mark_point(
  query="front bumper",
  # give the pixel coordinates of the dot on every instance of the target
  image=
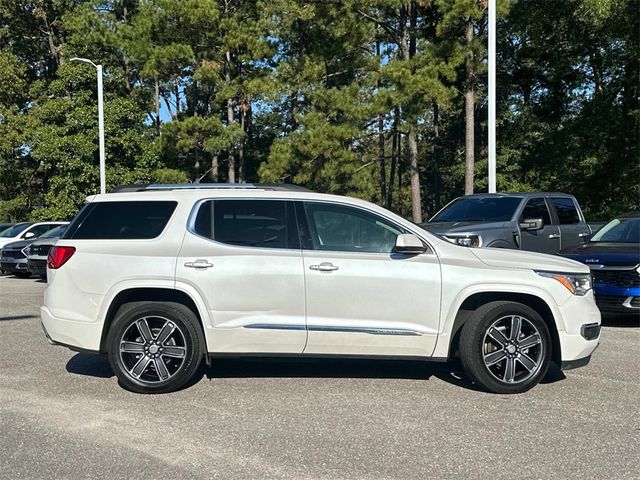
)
(13, 265)
(581, 334)
(80, 336)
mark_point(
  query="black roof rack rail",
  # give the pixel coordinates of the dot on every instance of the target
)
(287, 187)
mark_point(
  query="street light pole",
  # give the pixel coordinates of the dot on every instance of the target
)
(100, 121)
(492, 96)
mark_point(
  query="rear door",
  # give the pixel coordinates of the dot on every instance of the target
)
(362, 298)
(244, 257)
(546, 240)
(573, 229)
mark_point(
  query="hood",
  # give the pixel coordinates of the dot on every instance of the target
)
(602, 253)
(443, 228)
(19, 245)
(505, 258)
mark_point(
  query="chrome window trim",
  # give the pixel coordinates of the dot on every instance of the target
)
(194, 211)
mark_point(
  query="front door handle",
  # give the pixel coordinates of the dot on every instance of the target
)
(584, 234)
(199, 264)
(554, 235)
(324, 267)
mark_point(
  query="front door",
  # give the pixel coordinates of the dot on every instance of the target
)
(545, 240)
(362, 298)
(244, 258)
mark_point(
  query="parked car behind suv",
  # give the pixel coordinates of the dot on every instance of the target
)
(161, 278)
(38, 250)
(539, 222)
(613, 254)
(13, 256)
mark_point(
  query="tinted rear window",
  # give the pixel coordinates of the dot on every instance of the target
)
(121, 220)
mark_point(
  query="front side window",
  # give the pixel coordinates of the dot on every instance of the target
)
(248, 223)
(566, 210)
(536, 208)
(347, 229)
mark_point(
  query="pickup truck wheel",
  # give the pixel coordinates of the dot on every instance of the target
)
(155, 347)
(505, 347)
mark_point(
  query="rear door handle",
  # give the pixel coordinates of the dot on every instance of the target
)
(554, 235)
(199, 264)
(324, 267)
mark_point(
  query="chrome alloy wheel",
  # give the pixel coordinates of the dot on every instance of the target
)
(513, 350)
(152, 349)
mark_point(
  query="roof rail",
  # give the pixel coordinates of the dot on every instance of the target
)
(204, 186)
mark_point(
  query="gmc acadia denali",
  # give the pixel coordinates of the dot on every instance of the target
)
(161, 277)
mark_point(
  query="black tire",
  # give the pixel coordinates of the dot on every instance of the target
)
(145, 351)
(494, 359)
(22, 274)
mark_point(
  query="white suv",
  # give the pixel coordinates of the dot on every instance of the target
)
(162, 277)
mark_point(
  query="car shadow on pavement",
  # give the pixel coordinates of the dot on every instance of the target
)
(18, 317)
(89, 364)
(451, 372)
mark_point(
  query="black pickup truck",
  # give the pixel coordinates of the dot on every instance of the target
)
(539, 221)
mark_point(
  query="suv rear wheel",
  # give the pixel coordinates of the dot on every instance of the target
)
(505, 347)
(155, 347)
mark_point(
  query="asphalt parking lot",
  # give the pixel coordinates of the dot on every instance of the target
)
(63, 415)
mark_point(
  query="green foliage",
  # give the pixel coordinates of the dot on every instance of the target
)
(317, 93)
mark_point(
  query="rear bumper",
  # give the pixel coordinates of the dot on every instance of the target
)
(80, 336)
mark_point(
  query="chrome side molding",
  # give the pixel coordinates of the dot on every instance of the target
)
(336, 329)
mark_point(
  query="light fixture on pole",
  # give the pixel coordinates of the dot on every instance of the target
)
(492, 96)
(100, 120)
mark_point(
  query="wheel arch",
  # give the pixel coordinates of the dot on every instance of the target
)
(147, 294)
(476, 300)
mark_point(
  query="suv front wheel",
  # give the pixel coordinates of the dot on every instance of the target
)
(155, 347)
(505, 347)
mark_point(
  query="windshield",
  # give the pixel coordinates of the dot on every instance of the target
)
(14, 231)
(54, 232)
(479, 209)
(620, 230)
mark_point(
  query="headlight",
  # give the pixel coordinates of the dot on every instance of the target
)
(465, 240)
(576, 283)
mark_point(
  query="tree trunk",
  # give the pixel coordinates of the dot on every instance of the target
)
(407, 46)
(157, 94)
(381, 157)
(243, 127)
(469, 110)
(214, 168)
(395, 156)
(231, 162)
(435, 153)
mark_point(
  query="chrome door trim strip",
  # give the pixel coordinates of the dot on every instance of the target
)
(336, 329)
(274, 326)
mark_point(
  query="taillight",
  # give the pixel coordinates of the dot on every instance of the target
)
(58, 256)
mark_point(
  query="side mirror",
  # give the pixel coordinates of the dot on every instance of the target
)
(410, 244)
(29, 235)
(531, 224)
